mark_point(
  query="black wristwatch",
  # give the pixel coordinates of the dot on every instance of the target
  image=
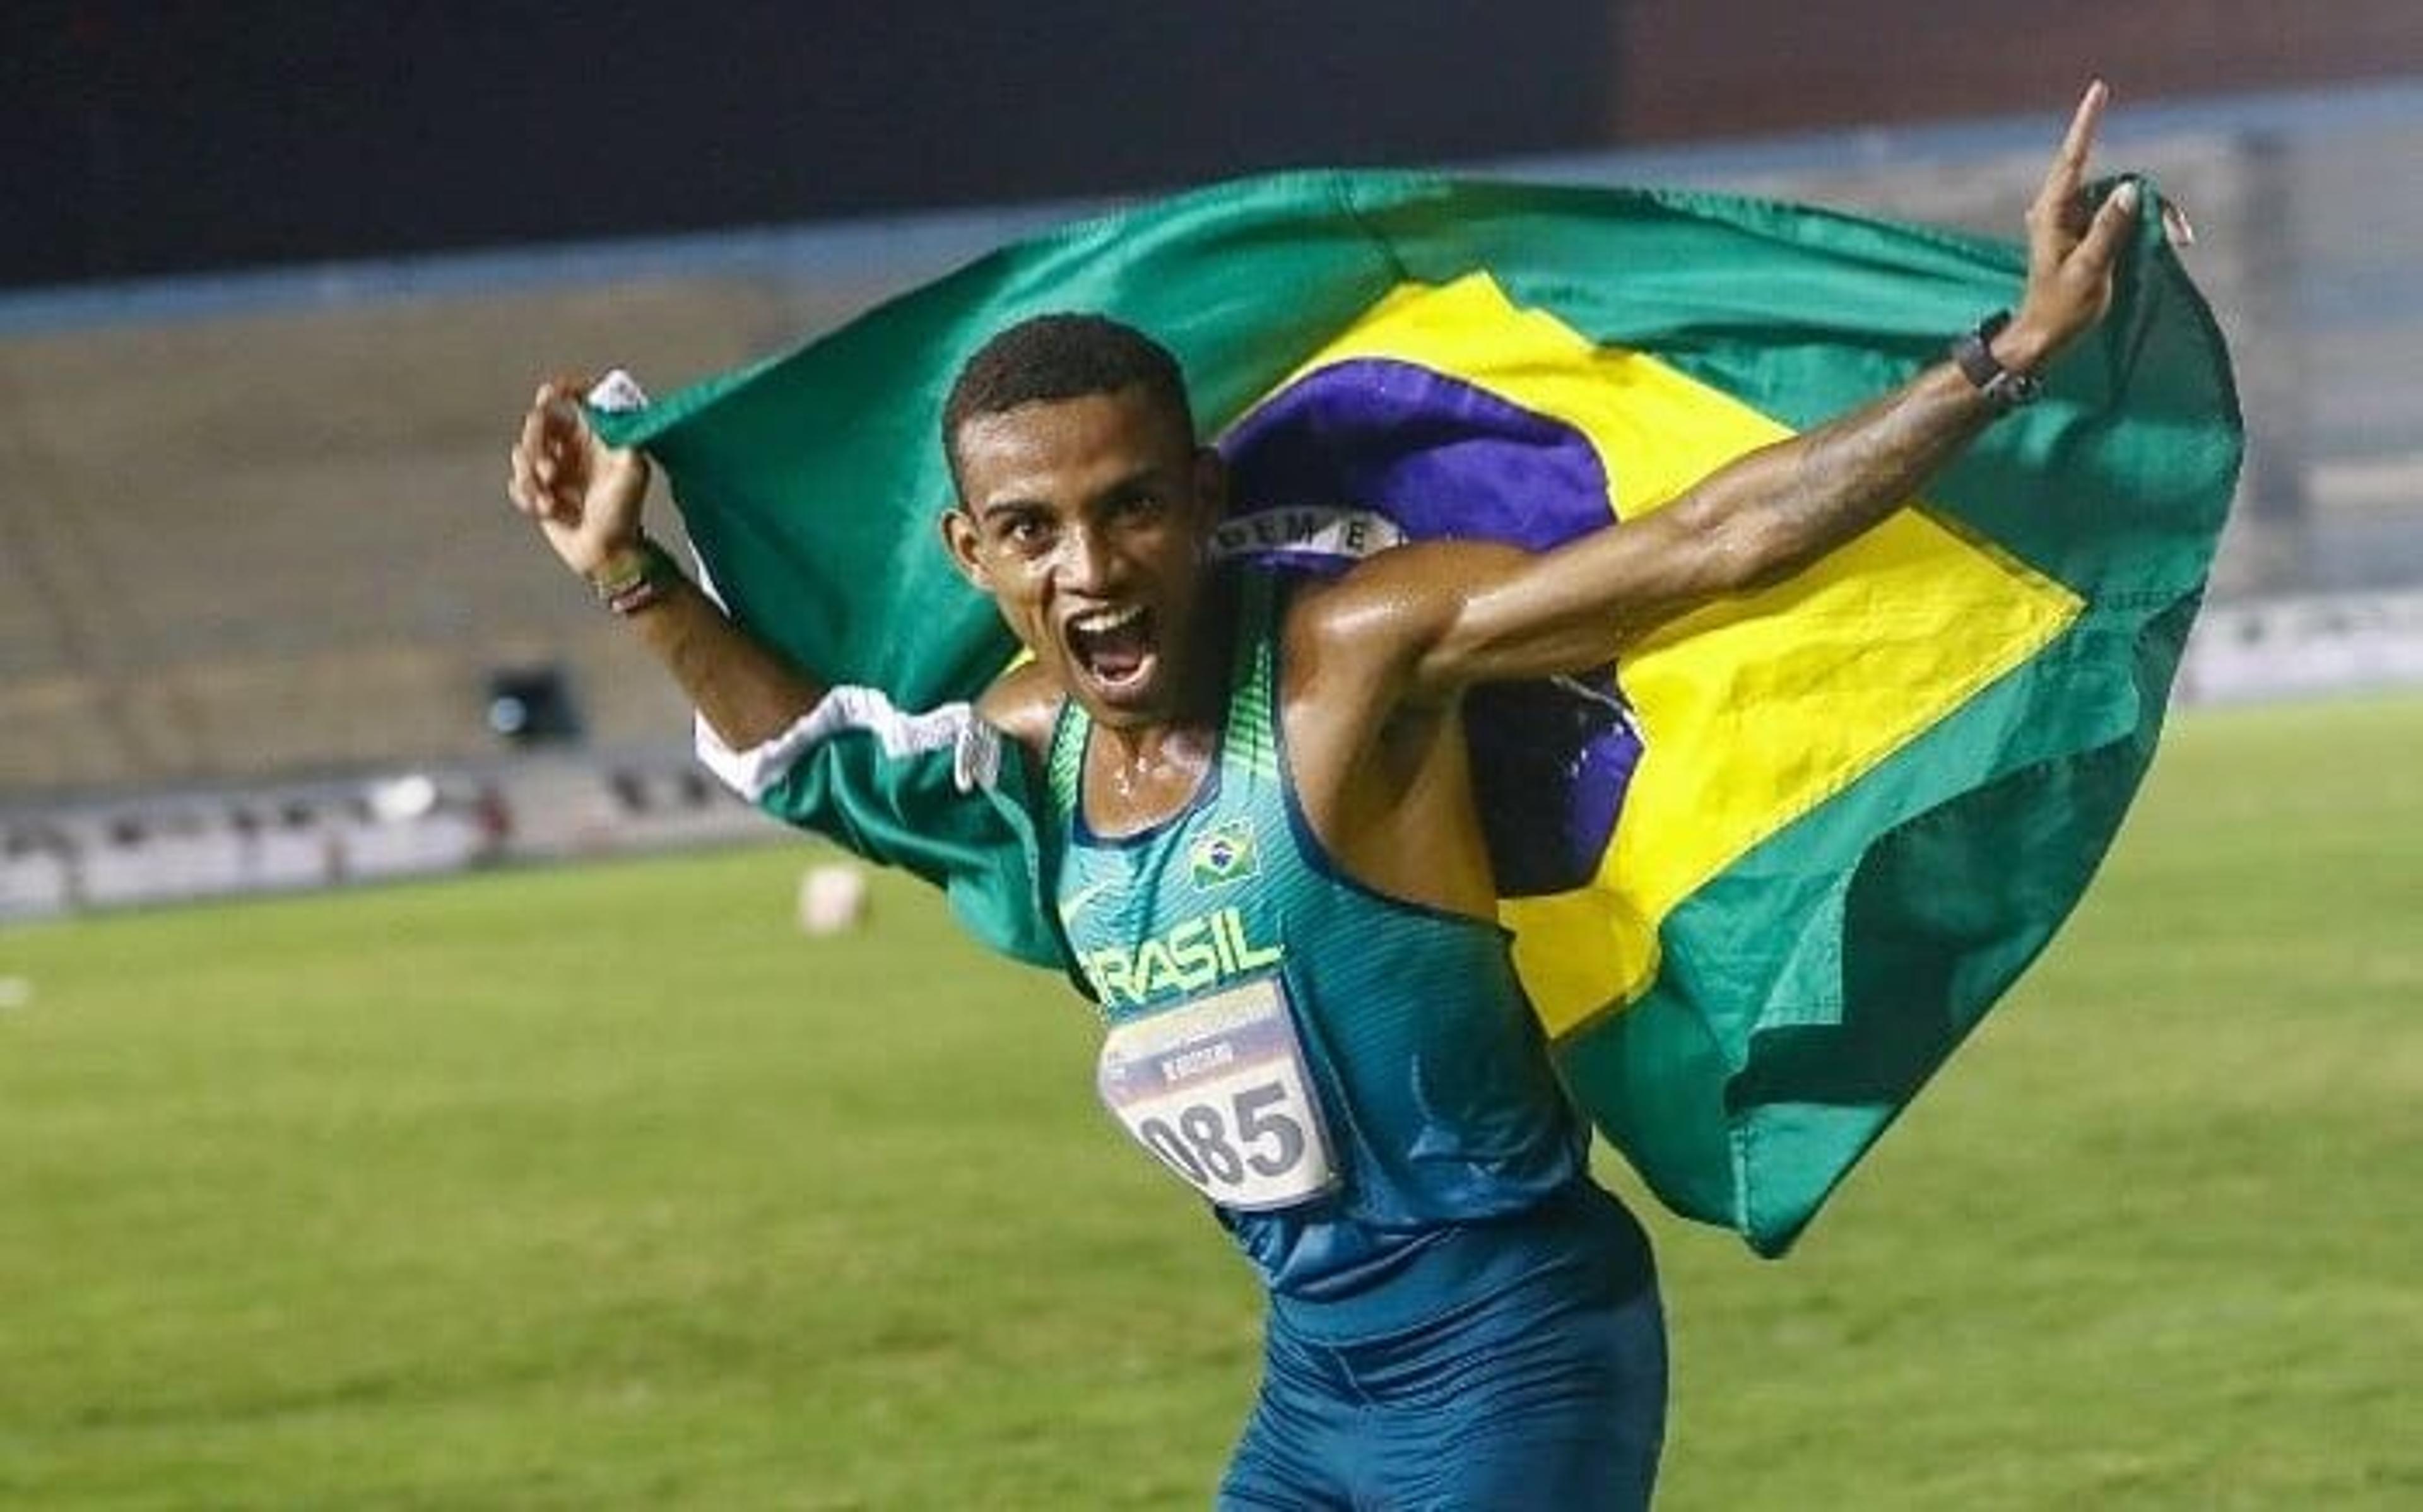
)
(2002, 388)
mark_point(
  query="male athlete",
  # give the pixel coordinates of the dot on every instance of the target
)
(1270, 862)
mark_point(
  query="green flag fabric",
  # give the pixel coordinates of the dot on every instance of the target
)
(1764, 869)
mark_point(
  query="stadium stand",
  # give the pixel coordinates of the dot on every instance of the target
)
(277, 542)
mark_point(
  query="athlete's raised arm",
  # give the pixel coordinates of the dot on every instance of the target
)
(1449, 615)
(589, 500)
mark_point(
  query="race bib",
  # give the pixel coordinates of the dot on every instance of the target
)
(1216, 1089)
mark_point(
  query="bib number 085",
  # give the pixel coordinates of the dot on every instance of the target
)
(1216, 1089)
(1213, 1147)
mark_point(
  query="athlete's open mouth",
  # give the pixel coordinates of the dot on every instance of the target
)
(1112, 645)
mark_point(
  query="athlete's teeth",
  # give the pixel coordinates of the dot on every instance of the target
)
(1095, 624)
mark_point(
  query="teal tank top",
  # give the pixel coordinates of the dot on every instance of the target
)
(1356, 1082)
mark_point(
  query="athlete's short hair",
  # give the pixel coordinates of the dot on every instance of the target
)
(1052, 357)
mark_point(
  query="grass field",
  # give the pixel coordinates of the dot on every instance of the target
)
(603, 1189)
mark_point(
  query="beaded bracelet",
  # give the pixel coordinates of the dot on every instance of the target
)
(648, 576)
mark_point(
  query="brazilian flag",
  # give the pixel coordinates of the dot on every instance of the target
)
(1765, 868)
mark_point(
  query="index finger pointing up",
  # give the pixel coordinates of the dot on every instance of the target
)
(2070, 164)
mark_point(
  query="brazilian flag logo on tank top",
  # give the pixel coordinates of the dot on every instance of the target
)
(1223, 856)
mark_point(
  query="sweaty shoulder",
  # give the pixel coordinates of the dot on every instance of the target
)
(1388, 613)
(1022, 704)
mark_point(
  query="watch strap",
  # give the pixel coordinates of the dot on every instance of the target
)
(2002, 387)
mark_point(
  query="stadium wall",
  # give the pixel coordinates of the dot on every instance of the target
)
(1717, 68)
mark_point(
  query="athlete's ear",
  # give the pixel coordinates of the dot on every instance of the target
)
(960, 538)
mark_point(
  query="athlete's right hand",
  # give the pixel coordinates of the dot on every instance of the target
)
(585, 495)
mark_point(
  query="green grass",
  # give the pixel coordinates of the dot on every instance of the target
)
(604, 1188)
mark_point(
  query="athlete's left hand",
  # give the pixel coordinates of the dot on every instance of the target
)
(2071, 248)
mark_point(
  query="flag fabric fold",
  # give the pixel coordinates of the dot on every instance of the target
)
(1771, 864)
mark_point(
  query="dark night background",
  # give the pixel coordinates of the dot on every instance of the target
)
(181, 136)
